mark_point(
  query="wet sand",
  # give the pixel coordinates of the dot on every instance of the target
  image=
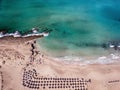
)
(24, 67)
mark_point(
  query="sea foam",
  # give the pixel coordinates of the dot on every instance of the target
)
(108, 59)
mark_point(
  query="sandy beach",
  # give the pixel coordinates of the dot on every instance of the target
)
(24, 67)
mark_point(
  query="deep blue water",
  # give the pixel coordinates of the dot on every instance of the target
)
(79, 26)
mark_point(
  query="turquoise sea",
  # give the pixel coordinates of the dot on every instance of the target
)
(79, 27)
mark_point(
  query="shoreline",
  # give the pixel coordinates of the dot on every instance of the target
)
(92, 59)
(109, 58)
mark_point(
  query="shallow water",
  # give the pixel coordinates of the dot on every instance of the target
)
(79, 26)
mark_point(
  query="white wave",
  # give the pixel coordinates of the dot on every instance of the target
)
(112, 58)
(1, 36)
(17, 34)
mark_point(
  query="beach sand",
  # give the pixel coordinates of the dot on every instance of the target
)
(24, 67)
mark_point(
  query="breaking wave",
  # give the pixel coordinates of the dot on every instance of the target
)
(111, 58)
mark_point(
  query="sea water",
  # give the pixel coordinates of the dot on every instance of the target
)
(79, 27)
